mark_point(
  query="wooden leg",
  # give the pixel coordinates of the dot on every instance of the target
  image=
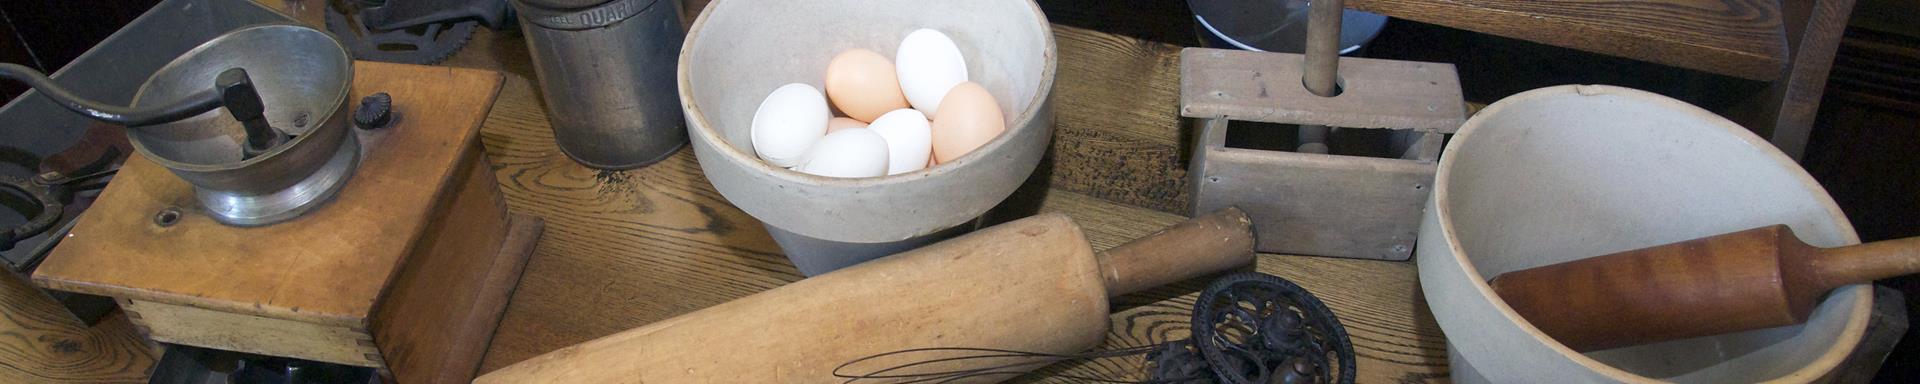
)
(1784, 113)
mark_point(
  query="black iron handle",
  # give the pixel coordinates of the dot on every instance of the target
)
(232, 89)
(243, 102)
(132, 117)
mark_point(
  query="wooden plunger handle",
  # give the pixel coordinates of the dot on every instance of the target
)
(1206, 244)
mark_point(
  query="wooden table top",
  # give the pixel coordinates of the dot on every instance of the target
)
(627, 248)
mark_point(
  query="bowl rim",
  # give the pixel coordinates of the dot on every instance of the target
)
(705, 130)
(1850, 334)
(335, 52)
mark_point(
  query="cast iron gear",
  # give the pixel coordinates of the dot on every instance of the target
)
(425, 44)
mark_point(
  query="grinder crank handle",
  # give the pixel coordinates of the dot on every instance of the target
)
(1206, 244)
(232, 89)
(190, 106)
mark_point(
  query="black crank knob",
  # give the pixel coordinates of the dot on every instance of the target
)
(375, 112)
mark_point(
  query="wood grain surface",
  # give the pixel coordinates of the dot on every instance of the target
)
(41, 343)
(276, 271)
(1265, 87)
(180, 324)
(979, 290)
(625, 249)
(1784, 112)
(1394, 335)
(1743, 38)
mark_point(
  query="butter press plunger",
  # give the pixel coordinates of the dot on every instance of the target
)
(1313, 201)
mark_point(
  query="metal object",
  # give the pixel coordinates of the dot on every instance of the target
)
(42, 204)
(203, 100)
(607, 76)
(409, 40)
(1248, 328)
(33, 126)
(389, 15)
(306, 75)
(232, 90)
(1274, 25)
(114, 69)
(264, 176)
(1317, 200)
(43, 200)
(1258, 328)
(242, 101)
(375, 111)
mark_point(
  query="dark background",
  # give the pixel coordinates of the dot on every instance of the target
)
(1865, 147)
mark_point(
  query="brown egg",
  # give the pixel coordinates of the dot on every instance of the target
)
(968, 119)
(839, 123)
(863, 85)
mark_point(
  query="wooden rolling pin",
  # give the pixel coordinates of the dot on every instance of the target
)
(1757, 278)
(1028, 285)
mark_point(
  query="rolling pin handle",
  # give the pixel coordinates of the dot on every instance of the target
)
(1206, 244)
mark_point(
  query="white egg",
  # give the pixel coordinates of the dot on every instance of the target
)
(909, 139)
(928, 65)
(788, 122)
(851, 152)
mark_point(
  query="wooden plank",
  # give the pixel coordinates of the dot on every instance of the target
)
(1742, 38)
(40, 342)
(628, 248)
(1784, 112)
(252, 334)
(327, 267)
(1031, 284)
(1315, 204)
(427, 326)
(1266, 87)
(1426, 148)
(1118, 131)
(624, 249)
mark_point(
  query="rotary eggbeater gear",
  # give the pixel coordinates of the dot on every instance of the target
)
(1248, 328)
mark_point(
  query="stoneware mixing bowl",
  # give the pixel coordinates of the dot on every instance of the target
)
(740, 50)
(1569, 172)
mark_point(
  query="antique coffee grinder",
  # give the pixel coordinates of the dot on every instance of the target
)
(257, 219)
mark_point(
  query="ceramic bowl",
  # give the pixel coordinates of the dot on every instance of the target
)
(738, 51)
(1569, 172)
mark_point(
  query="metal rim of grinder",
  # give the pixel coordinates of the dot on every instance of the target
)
(303, 77)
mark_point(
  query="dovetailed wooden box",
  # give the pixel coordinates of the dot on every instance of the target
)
(407, 270)
(1318, 204)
